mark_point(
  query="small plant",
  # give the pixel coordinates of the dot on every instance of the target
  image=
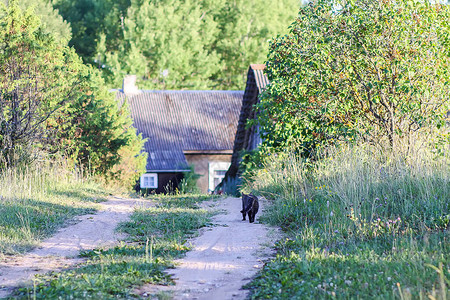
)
(374, 229)
(188, 184)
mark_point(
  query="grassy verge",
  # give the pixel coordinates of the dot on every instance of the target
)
(34, 203)
(357, 225)
(156, 236)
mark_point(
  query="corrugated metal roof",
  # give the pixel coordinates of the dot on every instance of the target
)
(177, 121)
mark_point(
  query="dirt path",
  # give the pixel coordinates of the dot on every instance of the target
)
(59, 251)
(223, 259)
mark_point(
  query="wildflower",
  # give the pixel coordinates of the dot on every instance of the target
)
(331, 213)
(389, 278)
(348, 282)
(328, 204)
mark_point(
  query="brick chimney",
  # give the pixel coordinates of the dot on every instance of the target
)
(129, 85)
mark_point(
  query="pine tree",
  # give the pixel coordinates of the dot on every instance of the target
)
(51, 20)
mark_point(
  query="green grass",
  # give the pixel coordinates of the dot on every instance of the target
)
(37, 201)
(357, 225)
(156, 236)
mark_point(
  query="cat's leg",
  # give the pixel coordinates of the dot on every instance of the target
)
(243, 215)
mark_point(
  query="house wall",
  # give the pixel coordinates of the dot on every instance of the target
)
(165, 180)
(201, 163)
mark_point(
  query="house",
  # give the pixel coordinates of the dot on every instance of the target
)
(184, 128)
(247, 138)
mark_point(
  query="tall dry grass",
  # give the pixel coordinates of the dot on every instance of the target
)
(362, 179)
(359, 223)
(38, 199)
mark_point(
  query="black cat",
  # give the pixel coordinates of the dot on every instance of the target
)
(250, 206)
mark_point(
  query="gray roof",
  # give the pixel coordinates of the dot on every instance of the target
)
(177, 121)
(261, 79)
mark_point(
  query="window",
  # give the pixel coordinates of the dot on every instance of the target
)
(219, 175)
(217, 172)
(149, 181)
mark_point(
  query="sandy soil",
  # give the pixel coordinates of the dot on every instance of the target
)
(92, 231)
(224, 257)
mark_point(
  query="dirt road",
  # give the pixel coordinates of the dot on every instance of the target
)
(223, 259)
(61, 250)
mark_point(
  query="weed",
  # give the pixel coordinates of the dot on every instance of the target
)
(358, 225)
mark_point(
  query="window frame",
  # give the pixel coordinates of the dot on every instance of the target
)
(216, 166)
(149, 175)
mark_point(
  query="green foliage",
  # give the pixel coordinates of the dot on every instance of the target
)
(391, 268)
(244, 29)
(37, 201)
(89, 19)
(374, 69)
(188, 184)
(50, 101)
(102, 277)
(359, 185)
(38, 76)
(175, 44)
(98, 134)
(52, 21)
(181, 201)
(158, 235)
(166, 43)
(357, 223)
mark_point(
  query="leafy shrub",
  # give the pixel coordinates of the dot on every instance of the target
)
(376, 70)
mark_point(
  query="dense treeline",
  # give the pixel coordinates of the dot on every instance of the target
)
(172, 44)
(51, 104)
(51, 21)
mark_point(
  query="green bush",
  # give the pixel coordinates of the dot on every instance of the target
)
(374, 70)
